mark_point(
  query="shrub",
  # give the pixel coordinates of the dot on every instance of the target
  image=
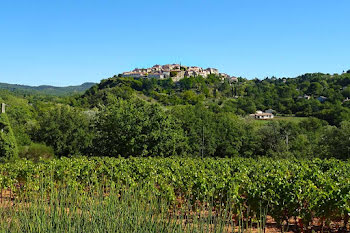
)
(36, 152)
(173, 73)
(8, 144)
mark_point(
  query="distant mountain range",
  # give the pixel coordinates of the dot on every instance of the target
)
(46, 89)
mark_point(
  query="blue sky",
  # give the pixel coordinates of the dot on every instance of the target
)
(71, 42)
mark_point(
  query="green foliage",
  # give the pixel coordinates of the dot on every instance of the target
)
(183, 68)
(173, 73)
(8, 144)
(136, 128)
(210, 134)
(202, 116)
(36, 152)
(20, 114)
(346, 92)
(65, 129)
(285, 96)
(336, 141)
(47, 90)
(287, 188)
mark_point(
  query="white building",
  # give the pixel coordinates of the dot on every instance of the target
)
(262, 115)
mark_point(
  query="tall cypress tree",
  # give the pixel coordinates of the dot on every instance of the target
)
(8, 145)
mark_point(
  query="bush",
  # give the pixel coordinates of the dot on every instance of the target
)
(136, 128)
(8, 144)
(173, 73)
(65, 129)
(36, 152)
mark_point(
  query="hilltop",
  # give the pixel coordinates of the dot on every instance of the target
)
(174, 71)
(320, 95)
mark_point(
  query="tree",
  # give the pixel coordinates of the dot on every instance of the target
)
(173, 73)
(346, 92)
(246, 106)
(335, 142)
(211, 134)
(65, 129)
(8, 144)
(275, 138)
(136, 128)
(229, 135)
(315, 88)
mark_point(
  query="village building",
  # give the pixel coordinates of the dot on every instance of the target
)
(232, 79)
(195, 69)
(156, 68)
(191, 73)
(307, 97)
(262, 115)
(322, 99)
(156, 75)
(166, 74)
(132, 75)
(212, 70)
(174, 71)
(223, 75)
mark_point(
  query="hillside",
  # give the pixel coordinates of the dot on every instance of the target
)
(319, 95)
(186, 113)
(46, 89)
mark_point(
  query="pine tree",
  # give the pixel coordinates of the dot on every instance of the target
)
(8, 145)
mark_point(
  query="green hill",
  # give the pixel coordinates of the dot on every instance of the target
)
(46, 89)
(318, 95)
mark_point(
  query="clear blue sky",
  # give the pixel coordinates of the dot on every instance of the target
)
(70, 42)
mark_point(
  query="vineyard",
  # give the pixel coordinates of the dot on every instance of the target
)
(186, 194)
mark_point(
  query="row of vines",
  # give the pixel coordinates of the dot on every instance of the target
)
(290, 188)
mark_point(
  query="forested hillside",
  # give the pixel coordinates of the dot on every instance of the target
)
(46, 89)
(319, 95)
(193, 117)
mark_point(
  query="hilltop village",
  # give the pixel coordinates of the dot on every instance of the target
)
(176, 72)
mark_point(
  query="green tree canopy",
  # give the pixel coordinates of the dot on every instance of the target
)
(65, 129)
(136, 128)
(8, 145)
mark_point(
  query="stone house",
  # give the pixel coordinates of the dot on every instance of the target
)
(166, 74)
(156, 75)
(262, 115)
(132, 75)
(156, 68)
(212, 70)
(232, 79)
(195, 69)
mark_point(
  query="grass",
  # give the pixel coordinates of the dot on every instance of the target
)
(115, 208)
(289, 118)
